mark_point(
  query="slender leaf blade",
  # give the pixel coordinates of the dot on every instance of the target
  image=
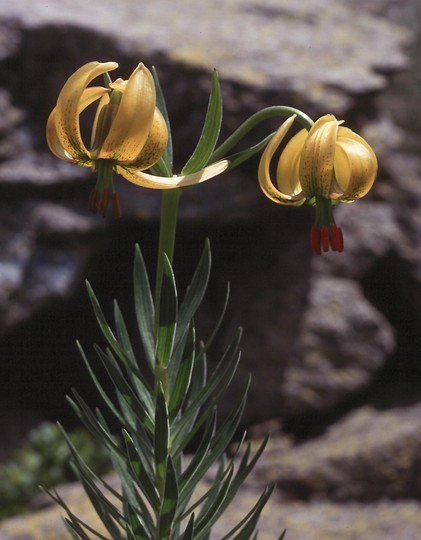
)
(161, 440)
(144, 306)
(210, 131)
(169, 502)
(183, 377)
(167, 315)
(189, 530)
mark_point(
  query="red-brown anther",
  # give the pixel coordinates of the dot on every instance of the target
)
(325, 238)
(117, 212)
(104, 201)
(337, 239)
(93, 195)
(315, 240)
(324, 233)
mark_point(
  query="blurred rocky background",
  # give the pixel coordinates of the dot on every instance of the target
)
(332, 342)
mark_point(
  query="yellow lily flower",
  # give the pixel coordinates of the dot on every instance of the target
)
(325, 165)
(129, 133)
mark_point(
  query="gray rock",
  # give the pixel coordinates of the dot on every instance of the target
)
(369, 455)
(44, 249)
(342, 343)
(293, 45)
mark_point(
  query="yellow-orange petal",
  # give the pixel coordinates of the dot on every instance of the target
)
(355, 167)
(287, 172)
(317, 157)
(53, 140)
(264, 175)
(133, 121)
(162, 182)
(70, 103)
(155, 144)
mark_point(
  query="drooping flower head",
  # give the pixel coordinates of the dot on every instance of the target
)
(323, 166)
(129, 133)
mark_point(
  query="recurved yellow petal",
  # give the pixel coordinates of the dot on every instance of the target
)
(287, 172)
(355, 166)
(161, 182)
(264, 174)
(70, 104)
(155, 144)
(317, 157)
(133, 121)
(53, 140)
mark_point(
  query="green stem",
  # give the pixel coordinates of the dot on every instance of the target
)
(254, 120)
(167, 231)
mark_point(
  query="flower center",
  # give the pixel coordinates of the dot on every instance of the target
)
(99, 198)
(324, 234)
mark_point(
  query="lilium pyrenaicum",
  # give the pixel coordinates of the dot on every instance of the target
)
(129, 133)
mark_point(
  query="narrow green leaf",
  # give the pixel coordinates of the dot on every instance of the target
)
(220, 379)
(247, 525)
(194, 295)
(107, 512)
(140, 472)
(108, 333)
(205, 347)
(244, 469)
(169, 503)
(210, 131)
(194, 471)
(92, 424)
(167, 315)
(73, 523)
(142, 442)
(221, 439)
(208, 498)
(120, 466)
(123, 389)
(144, 307)
(143, 389)
(161, 440)
(244, 155)
(98, 386)
(102, 322)
(189, 530)
(205, 520)
(180, 390)
(135, 529)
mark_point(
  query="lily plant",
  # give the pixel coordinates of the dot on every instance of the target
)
(163, 398)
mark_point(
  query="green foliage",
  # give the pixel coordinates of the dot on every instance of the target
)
(159, 421)
(44, 459)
